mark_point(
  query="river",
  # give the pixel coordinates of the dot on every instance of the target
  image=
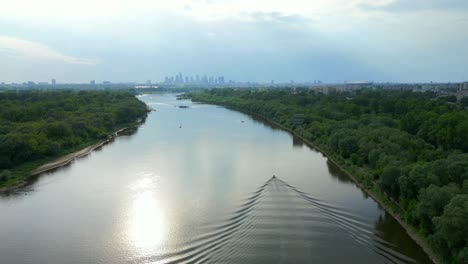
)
(201, 184)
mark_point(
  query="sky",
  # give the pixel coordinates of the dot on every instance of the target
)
(244, 40)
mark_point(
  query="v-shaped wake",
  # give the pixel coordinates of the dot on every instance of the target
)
(278, 223)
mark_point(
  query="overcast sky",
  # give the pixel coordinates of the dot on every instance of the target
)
(246, 40)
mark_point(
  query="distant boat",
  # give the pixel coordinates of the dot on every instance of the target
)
(183, 106)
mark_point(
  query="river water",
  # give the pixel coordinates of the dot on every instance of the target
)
(196, 185)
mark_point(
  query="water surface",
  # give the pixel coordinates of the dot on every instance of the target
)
(196, 185)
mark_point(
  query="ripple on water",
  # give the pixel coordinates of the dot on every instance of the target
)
(280, 223)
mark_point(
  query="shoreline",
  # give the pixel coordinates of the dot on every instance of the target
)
(408, 229)
(69, 158)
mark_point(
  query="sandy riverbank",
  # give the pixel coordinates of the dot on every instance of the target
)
(67, 159)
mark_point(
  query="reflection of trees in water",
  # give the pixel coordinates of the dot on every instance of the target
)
(336, 172)
(297, 142)
(32, 180)
(264, 122)
(391, 231)
(342, 177)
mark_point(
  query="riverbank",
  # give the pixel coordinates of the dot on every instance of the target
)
(69, 158)
(381, 199)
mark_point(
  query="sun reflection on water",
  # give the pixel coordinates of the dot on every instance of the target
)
(146, 224)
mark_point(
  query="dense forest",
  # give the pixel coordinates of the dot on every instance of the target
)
(410, 149)
(36, 126)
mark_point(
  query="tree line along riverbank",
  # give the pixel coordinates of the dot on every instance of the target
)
(37, 127)
(408, 149)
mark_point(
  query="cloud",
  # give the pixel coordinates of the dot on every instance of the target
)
(241, 39)
(200, 9)
(419, 5)
(278, 17)
(15, 47)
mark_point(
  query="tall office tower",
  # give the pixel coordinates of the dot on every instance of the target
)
(198, 78)
(92, 82)
(187, 79)
(53, 82)
(221, 79)
(180, 78)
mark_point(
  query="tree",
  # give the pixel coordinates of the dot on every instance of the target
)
(348, 146)
(420, 176)
(432, 201)
(389, 180)
(451, 229)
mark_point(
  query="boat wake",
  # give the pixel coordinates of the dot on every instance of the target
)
(279, 223)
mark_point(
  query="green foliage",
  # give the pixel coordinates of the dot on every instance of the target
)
(37, 125)
(5, 175)
(464, 102)
(389, 180)
(411, 146)
(452, 229)
(432, 201)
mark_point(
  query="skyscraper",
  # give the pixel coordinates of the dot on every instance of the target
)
(53, 82)
(180, 78)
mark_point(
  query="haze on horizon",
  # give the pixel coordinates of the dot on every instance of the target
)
(245, 40)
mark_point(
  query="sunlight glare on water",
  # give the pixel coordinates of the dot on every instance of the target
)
(146, 223)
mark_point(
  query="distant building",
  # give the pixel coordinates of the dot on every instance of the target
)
(221, 80)
(180, 78)
(106, 82)
(92, 82)
(464, 86)
(42, 83)
(461, 94)
(53, 82)
(357, 85)
(148, 82)
(327, 89)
